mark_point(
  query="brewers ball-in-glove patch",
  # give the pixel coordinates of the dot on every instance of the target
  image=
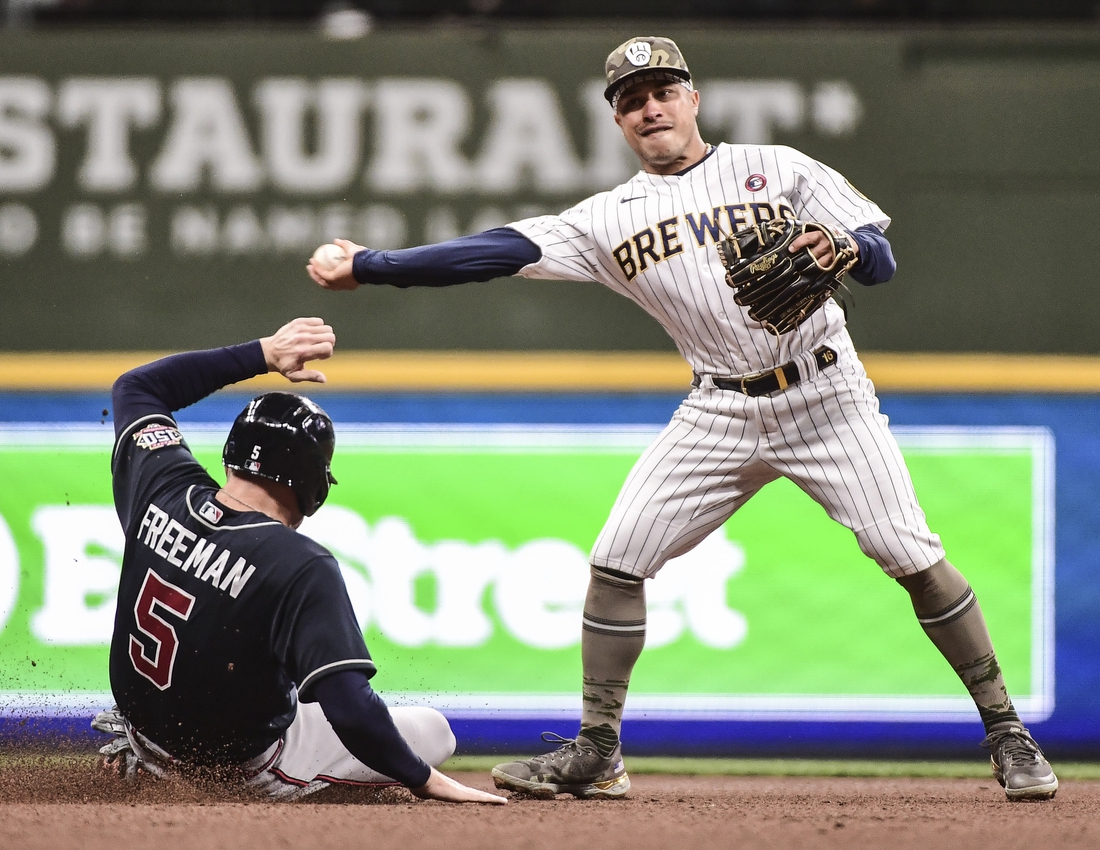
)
(782, 289)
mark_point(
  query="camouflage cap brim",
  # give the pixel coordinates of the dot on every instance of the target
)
(646, 76)
(644, 54)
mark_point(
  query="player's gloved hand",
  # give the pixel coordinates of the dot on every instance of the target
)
(783, 270)
(295, 344)
(338, 277)
(442, 787)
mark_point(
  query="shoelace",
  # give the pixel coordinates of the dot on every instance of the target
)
(567, 746)
(109, 721)
(1014, 747)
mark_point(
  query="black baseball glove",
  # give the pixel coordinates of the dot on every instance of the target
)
(782, 289)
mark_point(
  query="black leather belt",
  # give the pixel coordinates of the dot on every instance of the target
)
(771, 381)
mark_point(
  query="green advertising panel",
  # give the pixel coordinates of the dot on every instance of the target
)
(465, 555)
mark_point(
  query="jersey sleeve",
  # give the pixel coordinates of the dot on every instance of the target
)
(150, 456)
(824, 194)
(499, 252)
(569, 251)
(315, 631)
(174, 382)
(150, 453)
(876, 258)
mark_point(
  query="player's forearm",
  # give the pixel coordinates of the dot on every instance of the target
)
(876, 260)
(363, 723)
(172, 383)
(500, 252)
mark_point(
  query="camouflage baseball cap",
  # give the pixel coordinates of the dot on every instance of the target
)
(645, 54)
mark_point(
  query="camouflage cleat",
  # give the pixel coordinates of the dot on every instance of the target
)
(1020, 766)
(574, 768)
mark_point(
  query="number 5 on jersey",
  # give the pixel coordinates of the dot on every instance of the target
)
(160, 633)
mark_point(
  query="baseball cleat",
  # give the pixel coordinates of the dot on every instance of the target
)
(117, 756)
(1020, 766)
(574, 768)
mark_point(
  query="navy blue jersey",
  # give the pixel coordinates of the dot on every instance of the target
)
(221, 614)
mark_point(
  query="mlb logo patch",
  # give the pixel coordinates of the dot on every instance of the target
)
(210, 512)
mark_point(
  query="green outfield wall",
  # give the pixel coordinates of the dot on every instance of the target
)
(163, 190)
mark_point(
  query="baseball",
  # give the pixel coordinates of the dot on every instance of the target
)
(329, 256)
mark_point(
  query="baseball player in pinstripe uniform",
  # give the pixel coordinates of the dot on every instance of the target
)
(797, 405)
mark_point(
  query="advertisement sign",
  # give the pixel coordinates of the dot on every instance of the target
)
(465, 549)
(171, 185)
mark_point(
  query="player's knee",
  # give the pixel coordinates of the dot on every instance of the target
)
(606, 574)
(441, 737)
(427, 731)
(935, 588)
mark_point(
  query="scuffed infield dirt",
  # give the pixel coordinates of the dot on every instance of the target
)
(62, 801)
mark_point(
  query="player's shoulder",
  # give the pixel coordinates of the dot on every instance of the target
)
(288, 556)
(582, 216)
(307, 563)
(310, 546)
(151, 452)
(601, 199)
(301, 548)
(759, 152)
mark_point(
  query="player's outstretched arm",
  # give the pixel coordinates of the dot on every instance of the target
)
(442, 787)
(297, 343)
(500, 252)
(339, 277)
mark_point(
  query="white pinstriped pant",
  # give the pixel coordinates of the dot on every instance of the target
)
(826, 434)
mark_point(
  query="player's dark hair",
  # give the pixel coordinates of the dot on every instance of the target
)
(286, 438)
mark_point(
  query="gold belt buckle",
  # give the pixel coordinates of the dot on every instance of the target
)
(780, 377)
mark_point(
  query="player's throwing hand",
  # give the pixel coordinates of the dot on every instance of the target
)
(339, 276)
(295, 344)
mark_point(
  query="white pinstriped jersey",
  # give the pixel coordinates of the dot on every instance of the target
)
(652, 239)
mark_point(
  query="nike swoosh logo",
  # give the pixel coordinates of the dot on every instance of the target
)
(636, 198)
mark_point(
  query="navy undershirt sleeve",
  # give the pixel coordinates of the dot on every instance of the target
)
(364, 725)
(500, 252)
(172, 383)
(876, 260)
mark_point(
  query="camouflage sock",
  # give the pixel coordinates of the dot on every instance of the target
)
(603, 737)
(612, 637)
(948, 611)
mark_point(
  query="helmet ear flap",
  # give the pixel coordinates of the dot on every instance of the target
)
(287, 438)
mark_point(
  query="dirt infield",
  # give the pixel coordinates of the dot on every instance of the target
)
(62, 802)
